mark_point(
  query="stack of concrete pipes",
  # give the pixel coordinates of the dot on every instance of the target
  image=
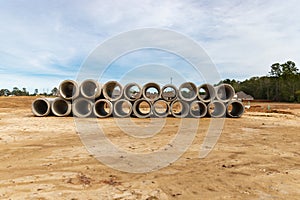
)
(91, 99)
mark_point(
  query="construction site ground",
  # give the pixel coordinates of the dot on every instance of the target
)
(256, 157)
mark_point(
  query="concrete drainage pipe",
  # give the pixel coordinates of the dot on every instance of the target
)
(151, 91)
(179, 109)
(132, 91)
(112, 90)
(187, 91)
(82, 107)
(68, 89)
(169, 92)
(198, 109)
(235, 109)
(41, 107)
(122, 108)
(142, 108)
(161, 108)
(224, 92)
(206, 93)
(90, 89)
(103, 108)
(61, 107)
(216, 109)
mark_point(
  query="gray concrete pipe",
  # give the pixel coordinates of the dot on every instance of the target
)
(112, 90)
(90, 89)
(235, 109)
(151, 91)
(169, 92)
(216, 109)
(41, 106)
(180, 109)
(122, 108)
(60, 107)
(161, 108)
(68, 89)
(142, 108)
(198, 109)
(224, 92)
(132, 91)
(187, 91)
(206, 93)
(102, 108)
(82, 107)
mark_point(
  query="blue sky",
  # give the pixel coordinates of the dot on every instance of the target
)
(45, 42)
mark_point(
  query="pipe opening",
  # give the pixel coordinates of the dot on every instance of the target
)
(60, 107)
(188, 91)
(151, 91)
(68, 89)
(90, 89)
(122, 108)
(161, 108)
(82, 107)
(169, 93)
(132, 91)
(206, 93)
(112, 90)
(216, 109)
(142, 108)
(179, 108)
(198, 109)
(225, 92)
(235, 109)
(103, 108)
(41, 107)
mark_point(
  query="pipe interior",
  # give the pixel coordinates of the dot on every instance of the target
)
(225, 92)
(41, 106)
(152, 92)
(68, 89)
(143, 108)
(133, 92)
(161, 107)
(198, 108)
(235, 109)
(206, 92)
(103, 108)
(216, 109)
(188, 91)
(113, 90)
(169, 93)
(179, 108)
(89, 88)
(123, 107)
(60, 107)
(83, 107)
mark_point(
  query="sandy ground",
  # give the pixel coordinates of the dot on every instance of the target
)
(256, 157)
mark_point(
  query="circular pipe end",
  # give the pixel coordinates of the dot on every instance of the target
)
(206, 93)
(187, 91)
(41, 107)
(90, 89)
(198, 109)
(235, 109)
(112, 90)
(151, 91)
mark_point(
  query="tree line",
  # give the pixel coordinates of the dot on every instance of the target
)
(281, 84)
(23, 92)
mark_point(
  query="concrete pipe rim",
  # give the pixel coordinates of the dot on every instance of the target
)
(166, 111)
(41, 107)
(202, 107)
(82, 107)
(184, 109)
(109, 94)
(68, 89)
(118, 108)
(192, 89)
(165, 96)
(127, 88)
(63, 108)
(219, 109)
(149, 85)
(99, 108)
(136, 108)
(225, 92)
(237, 109)
(209, 93)
(90, 89)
